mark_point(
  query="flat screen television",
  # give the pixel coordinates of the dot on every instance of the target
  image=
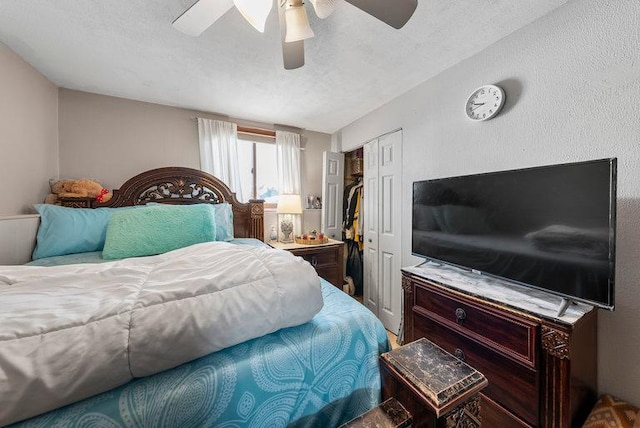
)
(550, 227)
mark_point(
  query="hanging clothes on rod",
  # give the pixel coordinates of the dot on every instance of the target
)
(352, 232)
(355, 267)
(358, 219)
(352, 194)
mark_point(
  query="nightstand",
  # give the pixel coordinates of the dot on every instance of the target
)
(76, 202)
(438, 389)
(327, 259)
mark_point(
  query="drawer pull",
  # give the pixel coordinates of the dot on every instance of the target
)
(461, 315)
(314, 261)
(459, 353)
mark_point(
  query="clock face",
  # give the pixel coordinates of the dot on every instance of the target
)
(485, 102)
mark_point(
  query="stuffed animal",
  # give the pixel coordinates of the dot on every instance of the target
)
(83, 188)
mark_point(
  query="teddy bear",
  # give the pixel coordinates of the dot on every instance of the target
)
(83, 188)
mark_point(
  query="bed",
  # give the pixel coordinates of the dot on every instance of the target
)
(320, 373)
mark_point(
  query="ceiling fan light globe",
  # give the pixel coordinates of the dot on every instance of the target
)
(323, 8)
(255, 11)
(297, 24)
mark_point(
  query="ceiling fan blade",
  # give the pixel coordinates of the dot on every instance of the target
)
(292, 52)
(395, 13)
(255, 11)
(201, 15)
(323, 8)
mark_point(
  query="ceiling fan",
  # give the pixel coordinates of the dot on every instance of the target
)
(294, 25)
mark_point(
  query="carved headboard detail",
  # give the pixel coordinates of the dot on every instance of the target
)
(181, 186)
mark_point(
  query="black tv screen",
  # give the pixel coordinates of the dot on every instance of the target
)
(550, 227)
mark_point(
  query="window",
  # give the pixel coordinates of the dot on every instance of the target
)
(258, 173)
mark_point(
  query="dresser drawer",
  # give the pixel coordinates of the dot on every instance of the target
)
(326, 260)
(511, 384)
(331, 274)
(511, 335)
(319, 258)
(494, 415)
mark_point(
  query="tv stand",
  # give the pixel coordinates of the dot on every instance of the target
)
(424, 263)
(541, 366)
(564, 305)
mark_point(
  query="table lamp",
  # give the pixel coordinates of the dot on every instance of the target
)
(288, 205)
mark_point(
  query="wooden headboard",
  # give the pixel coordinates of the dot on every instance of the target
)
(179, 185)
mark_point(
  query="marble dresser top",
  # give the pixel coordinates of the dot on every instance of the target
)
(526, 299)
(440, 377)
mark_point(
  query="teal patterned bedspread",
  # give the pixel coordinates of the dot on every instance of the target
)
(321, 374)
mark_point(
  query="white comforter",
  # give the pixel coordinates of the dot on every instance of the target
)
(69, 332)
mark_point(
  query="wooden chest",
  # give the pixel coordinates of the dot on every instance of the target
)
(541, 373)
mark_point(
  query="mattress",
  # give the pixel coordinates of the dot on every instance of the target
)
(96, 256)
(321, 373)
(70, 332)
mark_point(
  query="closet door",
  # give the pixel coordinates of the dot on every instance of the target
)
(371, 283)
(382, 234)
(332, 188)
(389, 230)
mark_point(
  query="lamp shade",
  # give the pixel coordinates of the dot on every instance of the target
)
(255, 11)
(297, 23)
(289, 204)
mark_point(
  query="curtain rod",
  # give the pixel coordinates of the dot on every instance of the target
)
(259, 132)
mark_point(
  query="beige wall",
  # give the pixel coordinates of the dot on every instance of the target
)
(316, 143)
(572, 81)
(112, 139)
(28, 134)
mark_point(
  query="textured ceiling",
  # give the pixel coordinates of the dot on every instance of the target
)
(128, 48)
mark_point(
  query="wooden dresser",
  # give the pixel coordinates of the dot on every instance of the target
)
(542, 370)
(327, 259)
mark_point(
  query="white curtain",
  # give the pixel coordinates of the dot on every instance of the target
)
(219, 152)
(288, 167)
(288, 162)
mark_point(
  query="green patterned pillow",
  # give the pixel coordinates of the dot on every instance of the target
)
(158, 229)
(223, 213)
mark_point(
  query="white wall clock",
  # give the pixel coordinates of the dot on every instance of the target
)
(485, 102)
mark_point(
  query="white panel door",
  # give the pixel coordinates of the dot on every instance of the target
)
(371, 292)
(332, 188)
(389, 245)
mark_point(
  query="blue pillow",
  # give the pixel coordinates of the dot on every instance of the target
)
(224, 221)
(65, 230)
(158, 229)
